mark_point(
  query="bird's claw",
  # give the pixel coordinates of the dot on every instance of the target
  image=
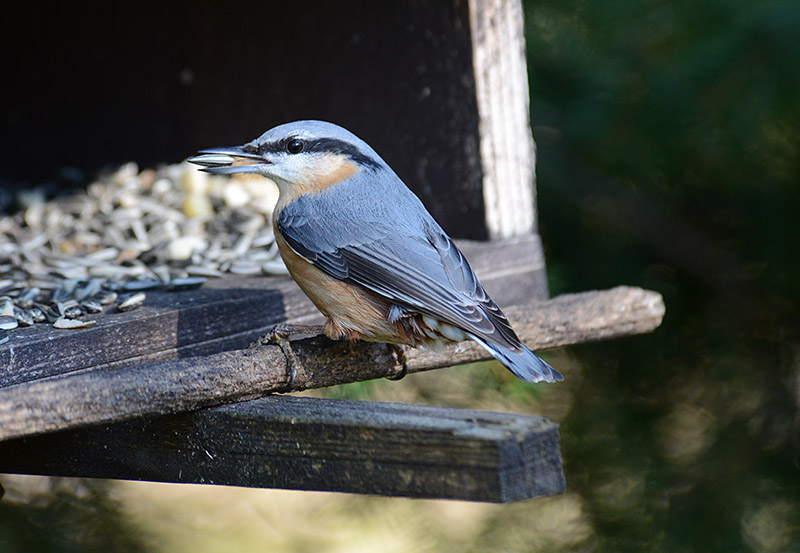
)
(279, 335)
(402, 360)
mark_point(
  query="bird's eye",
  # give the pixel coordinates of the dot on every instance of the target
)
(295, 146)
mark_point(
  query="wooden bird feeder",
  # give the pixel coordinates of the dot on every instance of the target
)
(172, 391)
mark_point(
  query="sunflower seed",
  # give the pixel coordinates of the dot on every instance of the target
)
(131, 302)
(48, 283)
(275, 267)
(27, 297)
(185, 283)
(23, 317)
(105, 297)
(263, 239)
(8, 322)
(87, 288)
(112, 285)
(139, 285)
(7, 283)
(61, 293)
(128, 232)
(38, 314)
(74, 311)
(244, 267)
(212, 160)
(54, 312)
(162, 273)
(106, 254)
(206, 271)
(92, 306)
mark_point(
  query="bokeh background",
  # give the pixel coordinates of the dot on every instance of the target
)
(668, 137)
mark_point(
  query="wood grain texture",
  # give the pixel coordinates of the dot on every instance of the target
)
(506, 145)
(106, 395)
(314, 444)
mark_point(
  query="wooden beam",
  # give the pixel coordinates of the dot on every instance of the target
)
(314, 444)
(103, 395)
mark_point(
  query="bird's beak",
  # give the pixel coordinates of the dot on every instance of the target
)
(227, 161)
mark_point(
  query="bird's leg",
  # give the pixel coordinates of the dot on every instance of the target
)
(400, 353)
(279, 335)
(284, 330)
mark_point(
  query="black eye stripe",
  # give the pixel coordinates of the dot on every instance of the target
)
(320, 145)
(343, 148)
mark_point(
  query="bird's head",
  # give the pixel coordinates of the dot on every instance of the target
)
(300, 157)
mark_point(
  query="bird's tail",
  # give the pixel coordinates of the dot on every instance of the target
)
(525, 364)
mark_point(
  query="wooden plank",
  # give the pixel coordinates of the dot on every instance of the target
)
(314, 444)
(189, 383)
(167, 323)
(227, 313)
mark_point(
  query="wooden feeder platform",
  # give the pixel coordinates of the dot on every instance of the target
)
(172, 391)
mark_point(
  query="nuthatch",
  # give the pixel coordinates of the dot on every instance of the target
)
(365, 250)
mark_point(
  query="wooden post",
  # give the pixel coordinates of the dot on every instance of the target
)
(501, 85)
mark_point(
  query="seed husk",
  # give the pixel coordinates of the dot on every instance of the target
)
(72, 323)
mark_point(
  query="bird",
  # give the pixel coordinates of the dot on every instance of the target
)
(365, 250)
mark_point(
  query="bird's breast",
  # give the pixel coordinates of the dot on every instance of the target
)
(352, 311)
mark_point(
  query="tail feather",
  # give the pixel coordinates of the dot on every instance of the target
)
(525, 364)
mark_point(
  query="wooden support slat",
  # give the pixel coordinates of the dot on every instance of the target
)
(314, 444)
(506, 144)
(105, 395)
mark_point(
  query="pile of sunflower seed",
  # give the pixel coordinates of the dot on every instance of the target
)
(129, 232)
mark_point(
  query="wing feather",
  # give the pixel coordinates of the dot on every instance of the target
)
(413, 263)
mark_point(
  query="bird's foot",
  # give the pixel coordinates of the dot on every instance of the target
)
(279, 335)
(402, 360)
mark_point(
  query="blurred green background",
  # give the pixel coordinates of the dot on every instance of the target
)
(668, 137)
(669, 157)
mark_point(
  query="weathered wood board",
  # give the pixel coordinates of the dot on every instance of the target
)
(314, 444)
(189, 383)
(134, 412)
(226, 314)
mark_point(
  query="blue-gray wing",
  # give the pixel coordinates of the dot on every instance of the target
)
(402, 255)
